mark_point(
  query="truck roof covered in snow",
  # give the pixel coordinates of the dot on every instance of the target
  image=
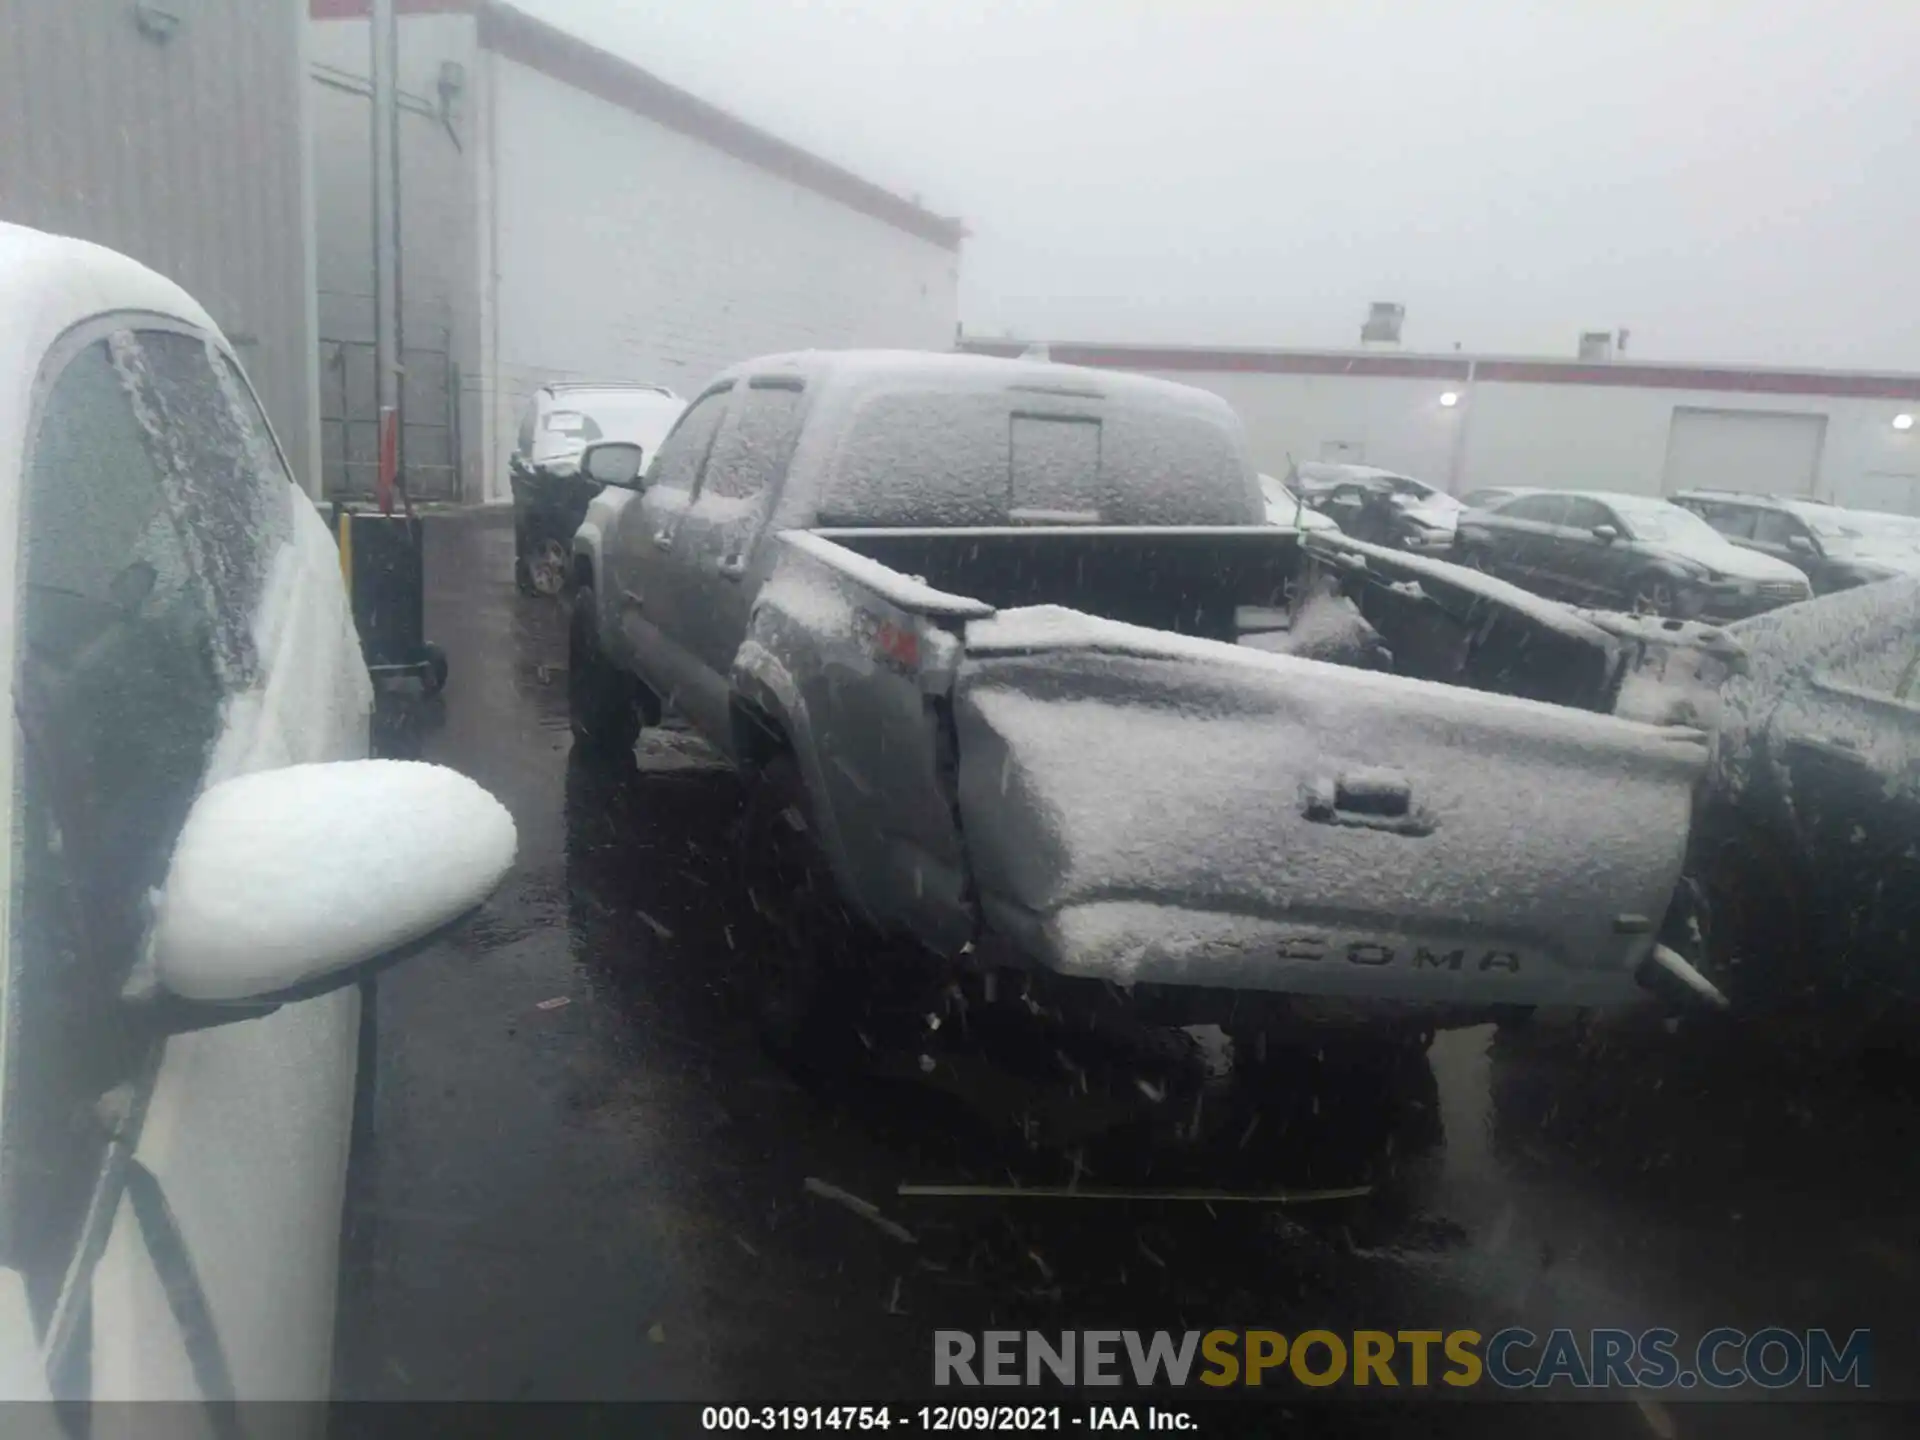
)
(914, 439)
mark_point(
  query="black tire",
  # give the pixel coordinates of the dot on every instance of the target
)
(811, 936)
(1653, 594)
(433, 679)
(601, 701)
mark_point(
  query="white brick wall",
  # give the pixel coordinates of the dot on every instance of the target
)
(628, 250)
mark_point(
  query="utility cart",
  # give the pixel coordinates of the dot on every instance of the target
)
(382, 559)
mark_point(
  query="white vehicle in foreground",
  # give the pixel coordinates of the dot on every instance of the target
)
(202, 865)
(550, 496)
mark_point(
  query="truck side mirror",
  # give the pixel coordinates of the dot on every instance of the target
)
(1802, 545)
(1606, 534)
(612, 462)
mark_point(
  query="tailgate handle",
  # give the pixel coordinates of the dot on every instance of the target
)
(663, 539)
(1374, 799)
(732, 567)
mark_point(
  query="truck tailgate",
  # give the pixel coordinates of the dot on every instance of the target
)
(1146, 807)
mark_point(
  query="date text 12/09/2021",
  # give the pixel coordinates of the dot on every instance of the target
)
(939, 1419)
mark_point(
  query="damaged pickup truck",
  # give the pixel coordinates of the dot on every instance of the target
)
(994, 644)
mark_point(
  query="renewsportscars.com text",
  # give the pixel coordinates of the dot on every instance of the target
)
(1511, 1359)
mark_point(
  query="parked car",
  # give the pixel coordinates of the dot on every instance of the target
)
(1805, 847)
(550, 496)
(1837, 548)
(1286, 508)
(1493, 495)
(1380, 506)
(1624, 552)
(969, 626)
(193, 833)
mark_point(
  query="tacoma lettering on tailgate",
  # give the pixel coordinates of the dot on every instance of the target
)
(1407, 954)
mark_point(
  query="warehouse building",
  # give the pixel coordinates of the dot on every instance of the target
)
(567, 215)
(1463, 422)
(175, 133)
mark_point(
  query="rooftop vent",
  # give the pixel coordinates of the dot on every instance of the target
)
(1383, 323)
(1596, 345)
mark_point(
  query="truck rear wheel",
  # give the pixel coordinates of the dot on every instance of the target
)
(602, 703)
(790, 885)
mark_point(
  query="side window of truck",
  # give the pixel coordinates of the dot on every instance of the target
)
(683, 454)
(751, 453)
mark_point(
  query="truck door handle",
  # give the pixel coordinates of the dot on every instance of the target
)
(1370, 799)
(663, 540)
(731, 566)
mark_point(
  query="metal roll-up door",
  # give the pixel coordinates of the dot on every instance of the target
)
(1763, 452)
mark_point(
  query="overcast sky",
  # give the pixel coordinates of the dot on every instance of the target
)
(1728, 179)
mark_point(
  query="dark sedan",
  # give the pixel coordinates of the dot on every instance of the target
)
(1838, 548)
(1626, 552)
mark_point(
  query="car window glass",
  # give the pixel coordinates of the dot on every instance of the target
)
(1546, 509)
(118, 696)
(1776, 527)
(753, 448)
(677, 464)
(1733, 521)
(154, 503)
(1583, 514)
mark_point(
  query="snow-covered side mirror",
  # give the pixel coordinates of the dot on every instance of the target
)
(284, 881)
(612, 462)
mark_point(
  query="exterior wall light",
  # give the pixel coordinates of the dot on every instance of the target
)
(1451, 398)
(1903, 422)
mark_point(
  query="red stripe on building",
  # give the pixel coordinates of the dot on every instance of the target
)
(359, 9)
(572, 61)
(1372, 364)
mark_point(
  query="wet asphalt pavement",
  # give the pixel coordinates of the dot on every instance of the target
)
(589, 1175)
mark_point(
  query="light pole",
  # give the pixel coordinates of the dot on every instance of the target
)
(1461, 403)
(386, 249)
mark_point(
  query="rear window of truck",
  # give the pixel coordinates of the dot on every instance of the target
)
(910, 458)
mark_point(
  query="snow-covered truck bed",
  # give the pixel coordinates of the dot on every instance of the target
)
(1025, 733)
